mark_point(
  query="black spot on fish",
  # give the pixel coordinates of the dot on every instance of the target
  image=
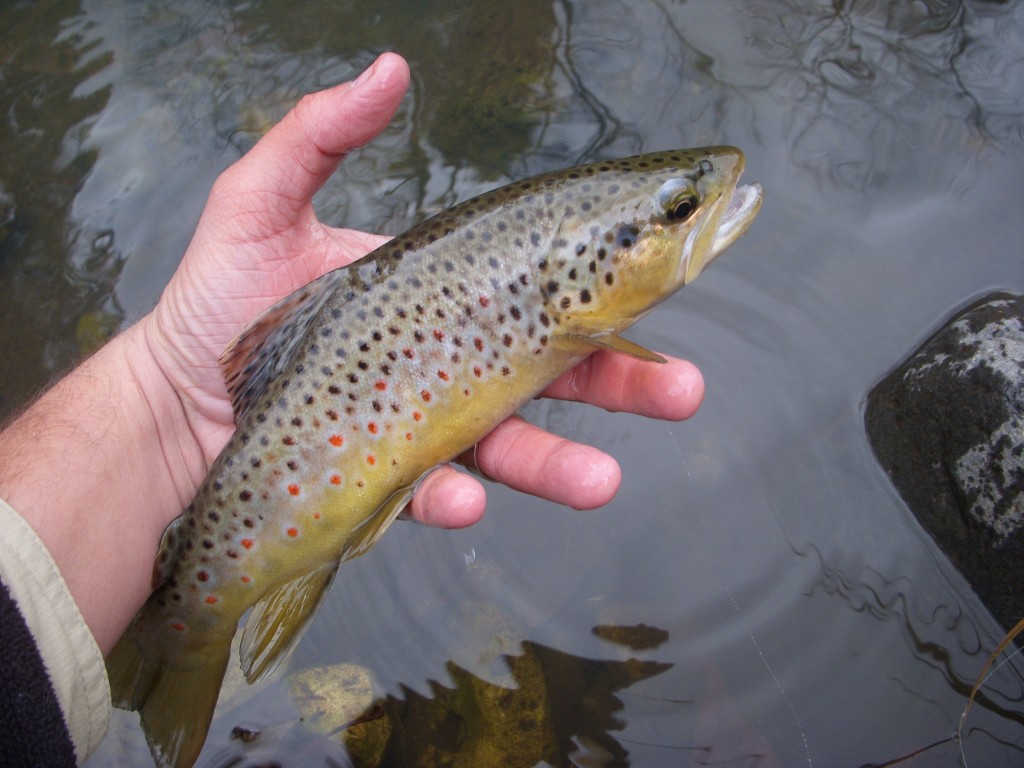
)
(293, 465)
(585, 296)
(609, 278)
(363, 365)
(515, 312)
(565, 303)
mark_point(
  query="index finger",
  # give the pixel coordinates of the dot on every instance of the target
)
(672, 390)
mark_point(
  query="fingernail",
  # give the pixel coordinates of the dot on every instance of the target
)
(366, 75)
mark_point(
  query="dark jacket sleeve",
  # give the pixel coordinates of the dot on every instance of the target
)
(32, 727)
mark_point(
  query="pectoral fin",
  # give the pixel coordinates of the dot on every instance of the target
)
(610, 341)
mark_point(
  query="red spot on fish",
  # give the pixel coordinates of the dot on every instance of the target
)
(479, 344)
(293, 532)
(372, 427)
(477, 371)
(408, 435)
(247, 543)
(316, 515)
(438, 335)
(442, 375)
(425, 395)
(381, 385)
(246, 579)
(336, 440)
(485, 302)
(202, 576)
(177, 626)
(211, 599)
(335, 480)
(371, 459)
(466, 391)
(293, 490)
(417, 416)
(408, 353)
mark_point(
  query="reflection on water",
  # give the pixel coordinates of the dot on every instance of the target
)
(802, 604)
(551, 708)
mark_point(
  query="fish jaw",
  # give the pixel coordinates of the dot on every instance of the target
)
(730, 210)
(743, 206)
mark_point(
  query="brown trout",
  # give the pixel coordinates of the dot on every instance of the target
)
(350, 390)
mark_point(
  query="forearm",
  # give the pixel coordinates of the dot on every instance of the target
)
(98, 466)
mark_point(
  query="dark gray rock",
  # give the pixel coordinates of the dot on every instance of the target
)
(948, 427)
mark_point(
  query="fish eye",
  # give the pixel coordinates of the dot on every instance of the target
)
(678, 198)
(683, 207)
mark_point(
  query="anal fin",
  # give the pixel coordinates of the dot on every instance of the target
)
(276, 623)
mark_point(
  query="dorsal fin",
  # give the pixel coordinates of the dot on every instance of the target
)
(263, 350)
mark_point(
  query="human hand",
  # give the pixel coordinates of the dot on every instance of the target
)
(259, 239)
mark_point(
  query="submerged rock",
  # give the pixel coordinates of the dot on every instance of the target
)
(948, 427)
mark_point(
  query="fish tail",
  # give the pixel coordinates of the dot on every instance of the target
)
(175, 705)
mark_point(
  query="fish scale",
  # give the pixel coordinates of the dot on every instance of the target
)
(349, 391)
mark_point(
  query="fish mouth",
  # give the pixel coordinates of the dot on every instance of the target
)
(740, 211)
(727, 221)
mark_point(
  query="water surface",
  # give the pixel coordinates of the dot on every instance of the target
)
(794, 612)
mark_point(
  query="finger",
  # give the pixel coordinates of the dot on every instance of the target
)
(300, 153)
(673, 390)
(448, 499)
(533, 461)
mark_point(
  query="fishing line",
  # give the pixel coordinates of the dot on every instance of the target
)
(958, 734)
(736, 607)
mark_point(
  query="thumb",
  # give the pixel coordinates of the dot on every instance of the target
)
(300, 153)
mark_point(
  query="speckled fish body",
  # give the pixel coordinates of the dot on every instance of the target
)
(350, 390)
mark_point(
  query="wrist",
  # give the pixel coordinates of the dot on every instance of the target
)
(98, 466)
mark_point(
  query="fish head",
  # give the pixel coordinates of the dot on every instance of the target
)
(671, 214)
